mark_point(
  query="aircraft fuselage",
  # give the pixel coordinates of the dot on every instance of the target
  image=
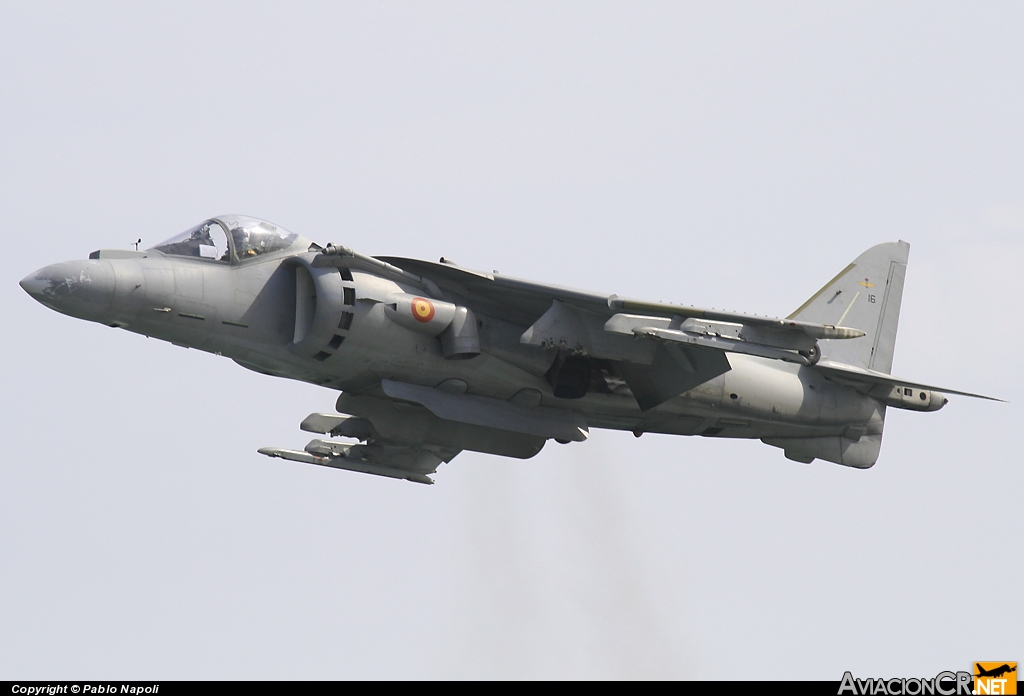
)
(247, 312)
(432, 359)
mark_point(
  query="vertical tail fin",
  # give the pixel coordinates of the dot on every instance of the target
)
(866, 295)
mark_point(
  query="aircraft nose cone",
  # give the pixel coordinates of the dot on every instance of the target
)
(82, 289)
(33, 285)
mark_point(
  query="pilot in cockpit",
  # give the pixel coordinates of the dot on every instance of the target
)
(243, 246)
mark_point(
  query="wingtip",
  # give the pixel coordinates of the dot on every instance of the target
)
(971, 395)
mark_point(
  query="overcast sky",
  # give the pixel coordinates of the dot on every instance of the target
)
(734, 155)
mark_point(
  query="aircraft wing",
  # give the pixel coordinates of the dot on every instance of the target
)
(530, 300)
(661, 350)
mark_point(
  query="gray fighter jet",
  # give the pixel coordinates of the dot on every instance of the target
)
(432, 359)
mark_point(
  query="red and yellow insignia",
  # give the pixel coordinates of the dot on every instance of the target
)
(423, 310)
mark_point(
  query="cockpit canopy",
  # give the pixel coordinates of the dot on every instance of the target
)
(229, 239)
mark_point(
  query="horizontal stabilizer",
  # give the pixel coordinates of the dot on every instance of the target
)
(869, 378)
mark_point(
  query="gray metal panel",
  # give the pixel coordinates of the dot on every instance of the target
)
(542, 421)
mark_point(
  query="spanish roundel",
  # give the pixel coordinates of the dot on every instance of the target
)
(423, 309)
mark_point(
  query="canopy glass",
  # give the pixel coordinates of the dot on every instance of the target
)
(229, 238)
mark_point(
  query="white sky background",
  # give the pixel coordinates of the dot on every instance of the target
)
(726, 155)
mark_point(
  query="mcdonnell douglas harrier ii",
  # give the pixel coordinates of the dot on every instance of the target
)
(431, 359)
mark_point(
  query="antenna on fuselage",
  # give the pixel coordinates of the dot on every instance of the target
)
(137, 243)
